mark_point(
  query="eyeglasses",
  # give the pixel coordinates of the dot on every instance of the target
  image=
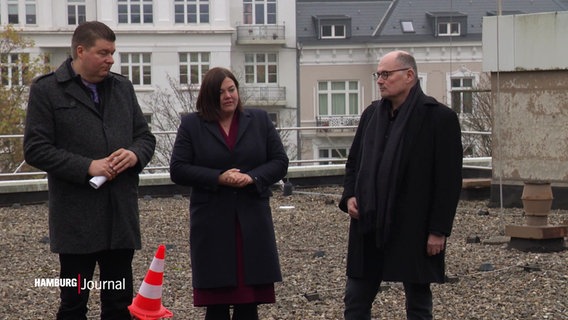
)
(385, 74)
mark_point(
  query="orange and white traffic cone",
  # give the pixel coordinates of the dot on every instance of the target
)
(147, 305)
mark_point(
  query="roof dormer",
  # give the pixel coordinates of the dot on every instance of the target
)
(448, 23)
(332, 26)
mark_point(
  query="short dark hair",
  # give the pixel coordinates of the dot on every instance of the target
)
(87, 33)
(208, 103)
(407, 60)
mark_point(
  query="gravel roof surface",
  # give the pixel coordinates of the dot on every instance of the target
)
(312, 235)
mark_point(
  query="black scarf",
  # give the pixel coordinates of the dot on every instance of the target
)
(381, 156)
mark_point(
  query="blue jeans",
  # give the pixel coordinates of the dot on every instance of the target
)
(114, 265)
(361, 292)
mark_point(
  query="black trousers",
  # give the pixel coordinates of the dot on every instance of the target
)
(247, 311)
(114, 265)
(361, 292)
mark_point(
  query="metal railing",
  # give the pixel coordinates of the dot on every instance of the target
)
(250, 33)
(18, 174)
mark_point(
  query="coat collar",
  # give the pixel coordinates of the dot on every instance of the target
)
(71, 82)
(244, 122)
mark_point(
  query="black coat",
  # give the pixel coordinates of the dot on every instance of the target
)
(429, 185)
(64, 132)
(199, 156)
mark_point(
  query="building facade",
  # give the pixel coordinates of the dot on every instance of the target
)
(341, 43)
(165, 47)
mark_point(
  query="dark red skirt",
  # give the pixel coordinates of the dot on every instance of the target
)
(240, 294)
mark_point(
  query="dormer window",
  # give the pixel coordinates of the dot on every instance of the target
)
(332, 26)
(448, 24)
(332, 31)
(448, 29)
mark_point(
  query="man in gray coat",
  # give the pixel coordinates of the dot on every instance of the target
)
(401, 189)
(84, 121)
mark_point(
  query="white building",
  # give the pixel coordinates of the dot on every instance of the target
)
(179, 39)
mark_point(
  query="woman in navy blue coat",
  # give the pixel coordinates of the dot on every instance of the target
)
(230, 157)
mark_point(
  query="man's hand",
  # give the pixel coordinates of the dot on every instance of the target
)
(435, 244)
(353, 208)
(114, 164)
(121, 160)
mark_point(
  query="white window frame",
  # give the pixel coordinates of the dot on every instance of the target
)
(136, 66)
(333, 31)
(74, 12)
(261, 63)
(31, 12)
(461, 73)
(193, 66)
(267, 16)
(12, 69)
(141, 6)
(200, 15)
(449, 28)
(11, 6)
(329, 93)
(332, 153)
(22, 12)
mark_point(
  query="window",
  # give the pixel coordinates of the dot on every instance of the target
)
(332, 26)
(259, 11)
(332, 153)
(135, 11)
(193, 66)
(261, 68)
(448, 29)
(332, 31)
(462, 95)
(76, 12)
(447, 23)
(191, 11)
(13, 12)
(31, 12)
(338, 98)
(137, 67)
(13, 68)
(407, 26)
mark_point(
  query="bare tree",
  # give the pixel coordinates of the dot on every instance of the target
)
(480, 121)
(167, 106)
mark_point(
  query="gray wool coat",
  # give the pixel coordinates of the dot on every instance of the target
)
(64, 132)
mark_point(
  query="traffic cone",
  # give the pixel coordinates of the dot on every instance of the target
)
(147, 305)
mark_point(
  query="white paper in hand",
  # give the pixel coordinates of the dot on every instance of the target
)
(97, 181)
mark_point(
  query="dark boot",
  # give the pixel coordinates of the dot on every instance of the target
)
(245, 312)
(217, 312)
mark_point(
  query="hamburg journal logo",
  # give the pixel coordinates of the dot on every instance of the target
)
(80, 283)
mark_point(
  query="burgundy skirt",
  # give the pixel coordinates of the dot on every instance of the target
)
(240, 294)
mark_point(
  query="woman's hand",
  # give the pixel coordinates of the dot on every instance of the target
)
(234, 178)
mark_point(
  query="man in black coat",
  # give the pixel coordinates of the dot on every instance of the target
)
(401, 189)
(84, 121)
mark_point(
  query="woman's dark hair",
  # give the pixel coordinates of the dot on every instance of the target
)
(87, 33)
(208, 103)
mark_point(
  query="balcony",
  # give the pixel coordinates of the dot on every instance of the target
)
(343, 124)
(261, 34)
(263, 95)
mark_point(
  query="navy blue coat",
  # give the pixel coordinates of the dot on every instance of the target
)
(429, 185)
(199, 156)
